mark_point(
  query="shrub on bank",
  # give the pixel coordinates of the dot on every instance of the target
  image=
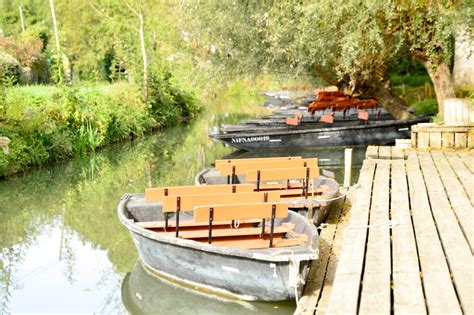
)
(47, 123)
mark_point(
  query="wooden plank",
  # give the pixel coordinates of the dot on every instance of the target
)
(457, 196)
(228, 232)
(468, 158)
(414, 139)
(246, 160)
(375, 295)
(408, 295)
(435, 127)
(241, 211)
(189, 202)
(323, 303)
(385, 152)
(460, 140)
(189, 223)
(345, 291)
(423, 140)
(372, 152)
(470, 139)
(435, 139)
(242, 168)
(317, 274)
(447, 139)
(463, 172)
(439, 291)
(456, 247)
(282, 174)
(258, 243)
(157, 194)
(397, 153)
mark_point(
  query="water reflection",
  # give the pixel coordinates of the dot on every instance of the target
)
(144, 293)
(62, 248)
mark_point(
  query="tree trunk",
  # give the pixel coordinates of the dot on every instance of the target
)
(443, 83)
(393, 104)
(144, 56)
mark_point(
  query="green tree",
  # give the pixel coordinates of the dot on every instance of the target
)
(349, 43)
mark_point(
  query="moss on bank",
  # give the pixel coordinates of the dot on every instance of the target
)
(47, 123)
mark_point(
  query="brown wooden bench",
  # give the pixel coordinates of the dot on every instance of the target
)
(157, 194)
(218, 163)
(246, 211)
(231, 170)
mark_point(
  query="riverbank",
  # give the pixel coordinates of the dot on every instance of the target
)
(48, 123)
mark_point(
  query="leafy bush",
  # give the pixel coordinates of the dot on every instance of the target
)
(426, 107)
(47, 123)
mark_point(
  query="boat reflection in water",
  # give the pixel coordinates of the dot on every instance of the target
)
(145, 293)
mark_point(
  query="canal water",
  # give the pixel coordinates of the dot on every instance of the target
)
(63, 249)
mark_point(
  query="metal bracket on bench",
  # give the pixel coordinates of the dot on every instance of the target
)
(178, 208)
(258, 180)
(272, 225)
(233, 174)
(211, 218)
(306, 184)
(166, 213)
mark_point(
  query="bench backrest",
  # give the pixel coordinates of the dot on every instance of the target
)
(189, 202)
(157, 194)
(242, 168)
(241, 211)
(218, 163)
(282, 174)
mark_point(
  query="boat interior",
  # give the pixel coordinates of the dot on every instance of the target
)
(252, 215)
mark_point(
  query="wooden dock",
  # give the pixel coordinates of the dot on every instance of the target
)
(404, 244)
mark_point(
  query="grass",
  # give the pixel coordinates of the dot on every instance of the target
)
(48, 123)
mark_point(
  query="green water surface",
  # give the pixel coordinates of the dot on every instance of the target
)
(63, 249)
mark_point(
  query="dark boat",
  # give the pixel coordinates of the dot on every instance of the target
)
(145, 293)
(270, 138)
(315, 207)
(225, 270)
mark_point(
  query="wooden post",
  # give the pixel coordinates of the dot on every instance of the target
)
(21, 19)
(347, 167)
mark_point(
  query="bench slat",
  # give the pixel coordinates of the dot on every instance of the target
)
(218, 163)
(282, 174)
(241, 168)
(157, 194)
(204, 233)
(189, 223)
(257, 243)
(189, 202)
(241, 211)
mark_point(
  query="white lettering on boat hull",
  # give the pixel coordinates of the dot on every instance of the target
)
(251, 139)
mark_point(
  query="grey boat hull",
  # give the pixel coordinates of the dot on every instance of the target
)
(316, 209)
(270, 274)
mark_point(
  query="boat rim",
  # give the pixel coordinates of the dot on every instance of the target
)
(286, 132)
(283, 254)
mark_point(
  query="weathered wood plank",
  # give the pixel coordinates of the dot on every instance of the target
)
(463, 172)
(439, 291)
(447, 139)
(314, 284)
(375, 295)
(385, 152)
(455, 245)
(407, 287)
(460, 140)
(457, 196)
(323, 303)
(423, 140)
(372, 152)
(468, 158)
(345, 292)
(397, 153)
(435, 139)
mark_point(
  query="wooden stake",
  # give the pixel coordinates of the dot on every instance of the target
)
(347, 167)
(21, 19)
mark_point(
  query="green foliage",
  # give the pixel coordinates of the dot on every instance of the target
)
(411, 80)
(426, 107)
(52, 123)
